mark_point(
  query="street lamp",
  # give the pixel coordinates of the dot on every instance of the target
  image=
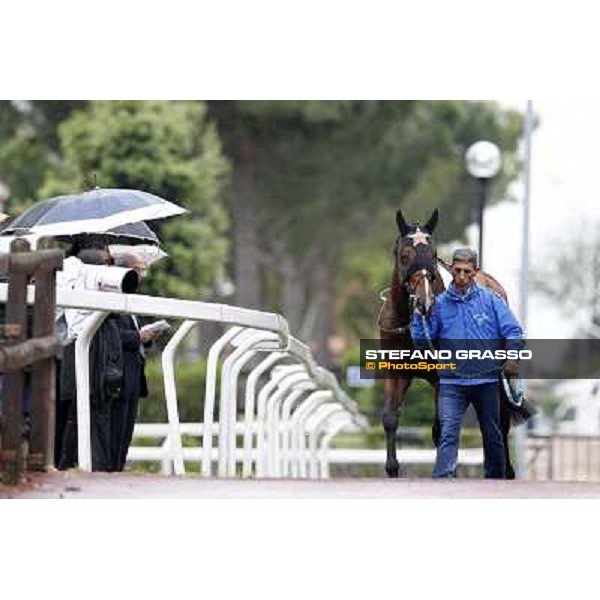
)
(483, 161)
(4, 196)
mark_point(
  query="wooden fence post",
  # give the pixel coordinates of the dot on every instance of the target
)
(43, 388)
(12, 435)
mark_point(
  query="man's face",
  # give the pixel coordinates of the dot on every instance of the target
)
(463, 274)
(105, 255)
(139, 267)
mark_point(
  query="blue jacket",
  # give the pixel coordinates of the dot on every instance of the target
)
(480, 316)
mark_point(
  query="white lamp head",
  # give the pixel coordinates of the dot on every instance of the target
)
(483, 160)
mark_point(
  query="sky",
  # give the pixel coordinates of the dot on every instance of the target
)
(564, 163)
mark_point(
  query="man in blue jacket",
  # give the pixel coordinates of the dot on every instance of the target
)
(468, 316)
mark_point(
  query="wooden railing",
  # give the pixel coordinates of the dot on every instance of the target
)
(22, 345)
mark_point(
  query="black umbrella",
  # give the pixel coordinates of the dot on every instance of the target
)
(94, 211)
(129, 235)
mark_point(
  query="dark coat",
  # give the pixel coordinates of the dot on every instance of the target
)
(134, 387)
(106, 381)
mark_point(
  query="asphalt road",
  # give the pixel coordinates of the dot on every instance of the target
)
(74, 485)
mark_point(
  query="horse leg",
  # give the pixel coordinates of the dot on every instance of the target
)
(394, 390)
(505, 428)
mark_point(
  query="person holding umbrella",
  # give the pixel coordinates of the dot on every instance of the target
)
(106, 380)
(98, 216)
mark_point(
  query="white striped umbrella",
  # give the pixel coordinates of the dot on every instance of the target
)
(95, 211)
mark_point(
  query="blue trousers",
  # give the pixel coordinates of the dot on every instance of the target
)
(453, 401)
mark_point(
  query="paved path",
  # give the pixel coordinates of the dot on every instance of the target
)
(75, 485)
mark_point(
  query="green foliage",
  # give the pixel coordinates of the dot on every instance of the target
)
(190, 379)
(364, 273)
(425, 158)
(169, 149)
(419, 406)
(331, 174)
(23, 156)
(23, 163)
(28, 143)
(418, 409)
(338, 162)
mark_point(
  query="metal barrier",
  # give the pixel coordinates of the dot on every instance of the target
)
(469, 458)
(266, 451)
(561, 457)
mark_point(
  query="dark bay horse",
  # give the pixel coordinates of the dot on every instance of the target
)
(416, 280)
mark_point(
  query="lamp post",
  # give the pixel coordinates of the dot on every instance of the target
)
(4, 196)
(483, 161)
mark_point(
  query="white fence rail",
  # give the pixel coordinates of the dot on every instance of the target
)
(287, 424)
(316, 464)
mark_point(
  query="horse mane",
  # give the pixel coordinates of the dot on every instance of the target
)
(439, 286)
(396, 288)
(394, 317)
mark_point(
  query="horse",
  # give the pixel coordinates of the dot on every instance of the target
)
(415, 282)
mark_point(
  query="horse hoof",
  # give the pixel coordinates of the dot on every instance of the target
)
(436, 433)
(392, 468)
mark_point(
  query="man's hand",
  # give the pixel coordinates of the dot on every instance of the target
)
(511, 368)
(147, 336)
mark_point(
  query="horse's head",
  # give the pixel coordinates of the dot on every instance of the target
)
(416, 261)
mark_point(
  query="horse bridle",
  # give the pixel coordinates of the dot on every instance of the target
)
(428, 273)
(423, 273)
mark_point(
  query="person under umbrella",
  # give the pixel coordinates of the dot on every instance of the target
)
(106, 379)
(135, 386)
(123, 236)
(130, 234)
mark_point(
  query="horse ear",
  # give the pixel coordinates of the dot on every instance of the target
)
(430, 225)
(402, 224)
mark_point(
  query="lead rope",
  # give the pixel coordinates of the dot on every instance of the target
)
(427, 334)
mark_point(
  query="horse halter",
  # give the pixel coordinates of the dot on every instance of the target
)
(423, 274)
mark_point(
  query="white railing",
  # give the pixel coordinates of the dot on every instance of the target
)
(325, 455)
(279, 436)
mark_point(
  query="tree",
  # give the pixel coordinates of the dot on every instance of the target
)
(166, 148)
(555, 279)
(28, 146)
(315, 183)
